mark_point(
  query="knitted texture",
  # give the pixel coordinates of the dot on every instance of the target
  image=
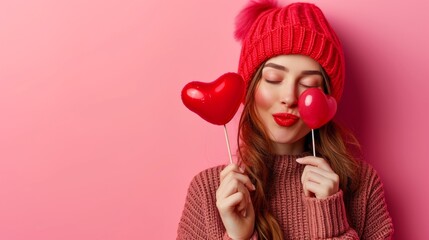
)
(298, 28)
(363, 216)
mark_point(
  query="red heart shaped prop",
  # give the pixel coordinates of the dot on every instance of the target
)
(316, 108)
(217, 101)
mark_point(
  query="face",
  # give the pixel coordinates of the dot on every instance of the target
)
(283, 80)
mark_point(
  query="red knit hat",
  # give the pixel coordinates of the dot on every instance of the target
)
(267, 30)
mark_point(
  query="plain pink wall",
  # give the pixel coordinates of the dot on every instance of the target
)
(96, 144)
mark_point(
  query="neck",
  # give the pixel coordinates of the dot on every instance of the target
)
(289, 148)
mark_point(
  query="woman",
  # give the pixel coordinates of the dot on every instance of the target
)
(277, 190)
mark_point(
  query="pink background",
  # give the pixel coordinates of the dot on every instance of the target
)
(96, 144)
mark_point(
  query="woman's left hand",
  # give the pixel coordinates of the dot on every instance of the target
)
(318, 178)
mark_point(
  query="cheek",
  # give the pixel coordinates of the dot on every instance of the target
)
(264, 98)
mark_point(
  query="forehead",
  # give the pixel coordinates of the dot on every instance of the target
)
(295, 62)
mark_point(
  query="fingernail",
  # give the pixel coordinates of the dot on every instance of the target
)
(253, 187)
(244, 213)
(299, 160)
(241, 169)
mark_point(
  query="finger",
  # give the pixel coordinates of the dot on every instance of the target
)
(227, 188)
(229, 204)
(249, 207)
(242, 206)
(314, 177)
(307, 171)
(244, 179)
(327, 174)
(232, 184)
(307, 193)
(230, 168)
(325, 186)
(303, 180)
(311, 187)
(308, 176)
(317, 189)
(315, 161)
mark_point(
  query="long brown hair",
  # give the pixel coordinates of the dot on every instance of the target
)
(256, 149)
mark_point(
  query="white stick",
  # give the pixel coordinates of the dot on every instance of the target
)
(227, 143)
(312, 138)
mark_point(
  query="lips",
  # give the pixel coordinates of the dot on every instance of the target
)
(285, 119)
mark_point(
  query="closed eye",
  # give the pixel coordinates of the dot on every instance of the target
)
(311, 82)
(272, 81)
(310, 85)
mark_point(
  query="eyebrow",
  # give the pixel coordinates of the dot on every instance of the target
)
(283, 68)
(312, 72)
(276, 66)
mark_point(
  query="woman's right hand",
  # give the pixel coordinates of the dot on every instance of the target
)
(234, 203)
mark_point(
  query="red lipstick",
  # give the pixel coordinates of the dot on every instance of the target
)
(285, 119)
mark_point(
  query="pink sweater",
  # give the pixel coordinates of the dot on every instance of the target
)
(300, 217)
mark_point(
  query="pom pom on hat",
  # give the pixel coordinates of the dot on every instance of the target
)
(249, 14)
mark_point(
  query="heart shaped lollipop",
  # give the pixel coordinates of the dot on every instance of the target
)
(316, 108)
(217, 101)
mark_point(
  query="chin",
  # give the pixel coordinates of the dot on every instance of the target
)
(284, 139)
(289, 137)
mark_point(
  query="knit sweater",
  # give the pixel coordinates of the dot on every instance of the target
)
(363, 215)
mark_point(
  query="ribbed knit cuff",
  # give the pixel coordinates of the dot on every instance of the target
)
(253, 237)
(327, 218)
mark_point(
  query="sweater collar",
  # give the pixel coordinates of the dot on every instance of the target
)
(287, 162)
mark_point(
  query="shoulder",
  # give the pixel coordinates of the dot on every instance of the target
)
(200, 215)
(206, 181)
(367, 174)
(370, 184)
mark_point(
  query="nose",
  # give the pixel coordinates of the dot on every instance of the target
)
(289, 96)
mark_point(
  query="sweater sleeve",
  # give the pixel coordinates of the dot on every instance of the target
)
(191, 225)
(327, 218)
(200, 217)
(378, 223)
(253, 237)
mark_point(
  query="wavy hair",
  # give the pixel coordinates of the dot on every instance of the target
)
(256, 150)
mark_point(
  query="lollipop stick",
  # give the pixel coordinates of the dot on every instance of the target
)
(227, 143)
(312, 139)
